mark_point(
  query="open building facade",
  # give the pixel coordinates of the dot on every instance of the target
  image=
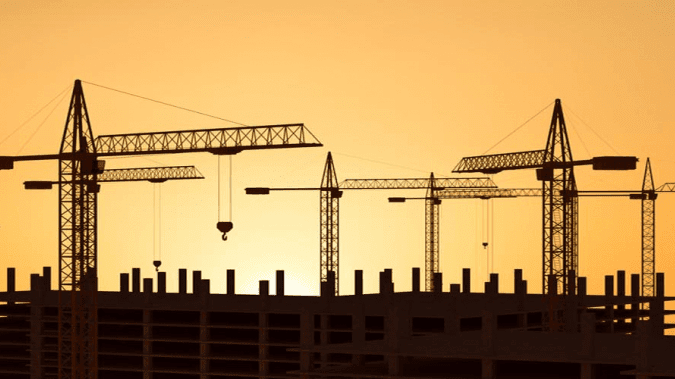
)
(452, 333)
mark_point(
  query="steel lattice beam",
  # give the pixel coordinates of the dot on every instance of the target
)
(219, 141)
(417, 183)
(150, 173)
(494, 163)
(487, 193)
(648, 227)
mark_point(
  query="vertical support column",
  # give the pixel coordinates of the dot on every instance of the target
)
(230, 282)
(280, 283)
(36, 339)
(196, 281)
(11, 282)
(487, 341)
(635, 303)
(621, 292)
(609, 303)
(161, 282)
(437, 282)
(136, 280)
(182, 281)
(416, 279)
(358, 282)
(358, 333)
(466, 280)
(395, 329)
(124, 282)
(323, 333)
(47, 278)
(204, 347)
(147, 344)
(306, 341)
(263, 343)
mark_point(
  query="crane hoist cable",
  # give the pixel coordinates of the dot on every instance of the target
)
(157, 225)
(225, 226)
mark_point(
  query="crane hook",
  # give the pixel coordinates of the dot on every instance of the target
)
(485, 245)
(224, 227)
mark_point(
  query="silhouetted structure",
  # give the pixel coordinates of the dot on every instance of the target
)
(457, 334)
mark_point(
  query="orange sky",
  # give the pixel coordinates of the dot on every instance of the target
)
(393, 89)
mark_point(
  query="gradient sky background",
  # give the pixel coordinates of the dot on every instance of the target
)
(393, 89)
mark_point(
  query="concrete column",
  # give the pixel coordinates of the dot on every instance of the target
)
(280, 283)
(609, 307)
(488, 369)
(161, 282)
(358, 282)
(494, 283)
(416, 279)
(147, 344)
(47, 278)
(438, 282)
(634, 294)
(263, 344)
(204, 349)
(182, 280)
(124, 282)
(264, 288)
(587, 371)
(581, 282)
(147, 289)
(358, 333)
(136, 280)
(466, 280)
(196, 280)
(230, 282)
(587, 335)
(36, 322)
(621, 291)
(306, 340)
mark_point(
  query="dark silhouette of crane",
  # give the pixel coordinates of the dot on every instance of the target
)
(555, 168)
(647, 196)
(331, 192)
(79, 168)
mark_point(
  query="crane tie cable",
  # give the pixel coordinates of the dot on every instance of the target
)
(516, 129)
(164, 103)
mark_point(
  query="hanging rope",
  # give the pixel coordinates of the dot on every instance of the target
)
(230, 187)
(164, 103)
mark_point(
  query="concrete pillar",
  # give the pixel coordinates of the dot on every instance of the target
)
(660, 284)
(263, 343)
(389, 280)
(621, 291)
(494, 283)
(581, 286)
(196, 280)
(147, 285)
(47, 278)
(455, 288)
(572, 282)
(466, 280)
(263, 287)
(416, 279)
(587, 335)
(438, 282)
(358, 282)
(230, 282)
(147, 344)
(136, 280)
(280, 283)
(11, 279)
(587, 371)
(306, 340)
(36, 329)
(204, 334)
(634, 294)
(124, 282)
(161, 282)
(487, 369)
(182, 280)
(609, 307)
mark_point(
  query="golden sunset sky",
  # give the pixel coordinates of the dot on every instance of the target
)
(395, 89)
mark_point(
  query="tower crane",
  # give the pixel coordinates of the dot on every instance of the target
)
(468, 193)
(647, 196)
(555, 169)
(331, 192)
(79, 168)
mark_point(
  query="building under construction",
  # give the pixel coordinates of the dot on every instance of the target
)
(452, 332)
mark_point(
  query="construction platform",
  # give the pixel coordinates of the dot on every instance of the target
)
(455, 334)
